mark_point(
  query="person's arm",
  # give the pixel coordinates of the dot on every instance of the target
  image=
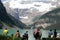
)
(40, 33)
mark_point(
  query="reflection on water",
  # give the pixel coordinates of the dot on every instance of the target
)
(30, 32)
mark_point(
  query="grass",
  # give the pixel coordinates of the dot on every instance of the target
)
(2, 37)
(13, 37)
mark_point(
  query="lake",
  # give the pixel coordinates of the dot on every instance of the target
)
(30, 32)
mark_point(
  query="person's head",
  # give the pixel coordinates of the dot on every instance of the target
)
(5, 28)
(26, 31)
(17, 30)
(50, 29)
(38, 29)
(54, 29)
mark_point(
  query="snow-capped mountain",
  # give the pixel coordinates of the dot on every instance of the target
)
(27, 10)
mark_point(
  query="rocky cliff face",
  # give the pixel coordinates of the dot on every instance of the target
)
(8, 19)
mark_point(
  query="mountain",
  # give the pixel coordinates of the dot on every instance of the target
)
(1, 25)
(54, 26)
(30, 14)
(52, 16)
(8, 19)
(17, 13)
(50, 20)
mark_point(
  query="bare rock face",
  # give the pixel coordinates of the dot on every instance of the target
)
(3, 14)
(8, 19)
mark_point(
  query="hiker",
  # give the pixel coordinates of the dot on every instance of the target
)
(55, 33)
(50, 33)
(37, 34)
(18, 34)
(26, 35)
(5, 32)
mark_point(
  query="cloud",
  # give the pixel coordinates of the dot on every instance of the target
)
(38, 5)
(17, 4)
(4, 1)
(41, 6)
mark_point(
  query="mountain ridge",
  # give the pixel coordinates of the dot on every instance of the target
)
(8, 19)
(49, 19)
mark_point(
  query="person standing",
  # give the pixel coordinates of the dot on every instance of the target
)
(55, 33)
(5, 32)
(50, 33)
(18, 34)
(37, 34)
(34, 33)
(26, 35)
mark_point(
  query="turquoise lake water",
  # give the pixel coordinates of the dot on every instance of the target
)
(30, 32)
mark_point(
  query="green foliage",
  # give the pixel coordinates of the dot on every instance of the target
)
(50, 38)
(1, 25)
(2, 37)
(54, 26)
(52, 17)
